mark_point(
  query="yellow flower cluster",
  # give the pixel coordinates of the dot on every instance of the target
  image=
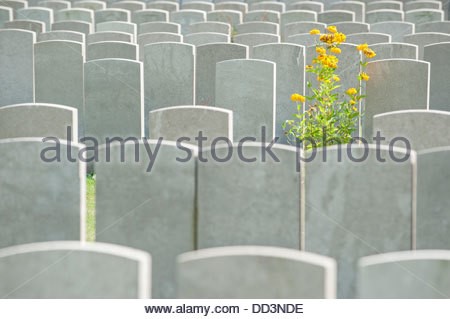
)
(297, 98)
(369, 53)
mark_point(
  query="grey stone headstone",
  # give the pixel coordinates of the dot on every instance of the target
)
(111, 50)
(352, 27)
(290, 64)
(77, 26)
(334, 16)
(303, 39)
(197, 5)
(164, 5)
(92, 5)
(302, 27)
(202, 38)
(176, 122)
(257, 27)
(253, 99)
(436, 26)
(15, 5)
(233, 205)
(38, 120)
(37, 14)
(395, 51)
(61, 35)
(383, 5)
(149, 15)
(255, 272)
(356, 7)
(141, 211)
(419, 274)
(70, 269)
(437, 55)
(6, 14)
(368, 37)
(232, 5)
(433, 219)
(384, 16)
(118, 26)
(231, 17)
(262, 15)
(426, 38)
(104, 36)
(114, 99)
(128, 5)
(350, 208)
(305, 5)
(270, 5)
(211, 26)
(416, 5)
(169, 70)
(168, 27)
(112, 15)
(156, 37)
(17, 65)
(187, 17)
(397, 29)
(424, 15)
(76, 14)
(206, 58)
(296, 16)
(253, 39)
(30, 25)
(42, 199)
(55, 5)
(59, 75)
(414, 126)
(394, 85)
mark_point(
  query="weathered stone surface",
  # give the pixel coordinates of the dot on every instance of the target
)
(302, 27)
(305, 5)
(296, 16)
(30, 25)
(118, 26)
(77, 14)
(128, 5)
(187, 17)
(197, 5)
(37, 14)
(6, 14)
(437, 55)
(231, 17)
(436, 26)
(232, 5)
(112, 15)
(262, 15)
(55, 5)
(257, 27)
(333, 16)
(61, 35)
(149, 27)
(271, 6)
(397, 29)
(383, 5)
(358, 8)
(108, 36)
(253, 39)
(425, 38)
(164, 5)
(77, 26)
(156, 38)
(424, 15)
(149, 15)
(210, 26)
(91, 4)
(202, 38)
(386, 15)
(368, 37)
(111, 50)
(395, 51)
(352, 27)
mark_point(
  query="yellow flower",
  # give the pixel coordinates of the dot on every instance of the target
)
(352, 102)
(321, 50)
(355, 109)
(314, 31)
(327, 38)
(364, 76)
(335, 50)
(330, 61)
(362, 47)
(308, 67)
(332, 29)
(297, 98)
(321, 57)
(339, 37)
(369, 53)
(351, 91)
(336, 78)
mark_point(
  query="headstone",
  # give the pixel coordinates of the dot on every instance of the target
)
(296, 16)
(187, 17)
(197, 5)
(426, 38)
(232, 5)
(433, 219)
(185, 122)
(257, 27)
(156, 37)
(345, 218)
(205, 72)
(38, 120)
(141, 211)
(111, 50)
(395, 84)
(164, 5)
(211, 26)
(6, 14)
(227, 16)
(149, 15)
(61, 35)
(253, 100)
(358, 8)
(416, 5)
(59, 75)
(118, 26)
(396, 29)
(42, 191)
(424, 16)
(77, 26)
(352, 27)
(262, 15)
(149, 27)
(168, 75)
(77, 14)
(302, 27)
(255, 272)
(30, 25)
(306, 5)
(15, 5)
(202, 38)
(395, 51)
(232, 201)
(253, 39)
(17, 65)
(384, 5)
(290, 64)
(108, 36)
(385, 15)
(128, 5)
(437, 55)
(406, 274)
(368, 37)
(112, 15)
(270, 5)
(114, 99)
(303, 39)
(436, 26)
(92, 5)
(55, 5)
(37, 14)
(334, 16)
(70, 269)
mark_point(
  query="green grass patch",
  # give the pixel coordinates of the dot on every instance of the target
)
(90, 202)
